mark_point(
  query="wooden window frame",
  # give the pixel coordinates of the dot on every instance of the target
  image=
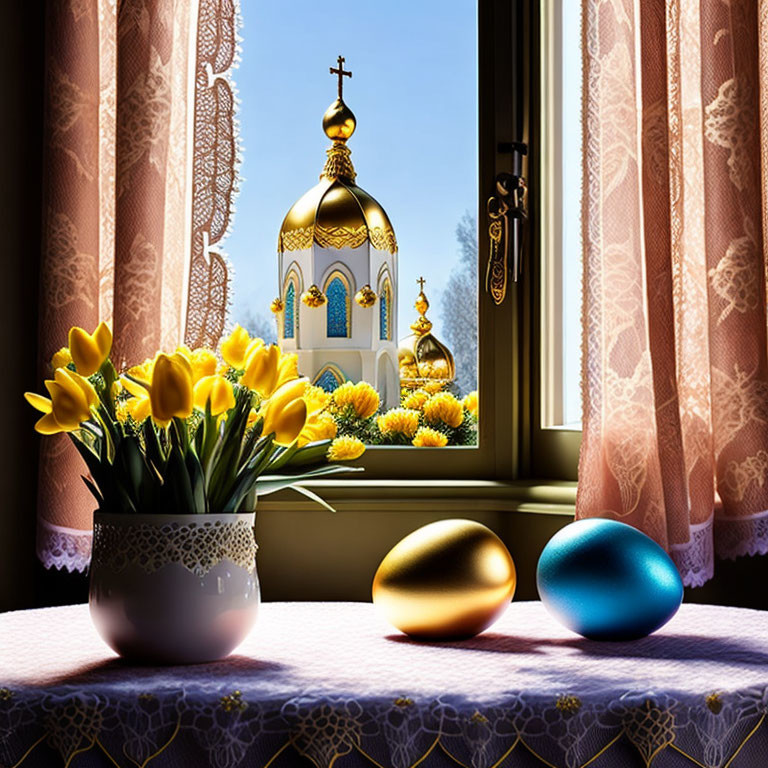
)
(516, 462)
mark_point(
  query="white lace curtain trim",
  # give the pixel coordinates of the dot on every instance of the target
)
(63, 548)
(721, 536)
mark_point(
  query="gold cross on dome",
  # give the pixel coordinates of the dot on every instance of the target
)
(421, 282)
(341, 72)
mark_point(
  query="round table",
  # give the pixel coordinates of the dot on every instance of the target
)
(332, 684)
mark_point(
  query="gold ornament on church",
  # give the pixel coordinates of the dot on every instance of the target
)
(366, 297)
(422, 358)
(313, 297)
(277, 306)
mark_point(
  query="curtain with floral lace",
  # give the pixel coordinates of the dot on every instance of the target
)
(675, 433)
(140, 157)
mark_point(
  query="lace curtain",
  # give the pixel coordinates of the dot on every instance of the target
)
(675, 436)
(140, 157)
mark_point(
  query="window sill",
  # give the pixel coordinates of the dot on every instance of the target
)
(539, 496)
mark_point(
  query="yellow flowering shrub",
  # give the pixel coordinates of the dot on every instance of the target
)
(444, 407)
(426, 437)
(363, 398)
(415, 399)
(345, 449)
(400, 421)
(470, 402)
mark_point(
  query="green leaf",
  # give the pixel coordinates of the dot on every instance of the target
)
(94, 490)
(270, 483)
(313, 453)
(197, 483)
(177, 490)
(155, 453)
(312, 495)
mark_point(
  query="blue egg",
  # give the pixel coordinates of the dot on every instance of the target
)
(608, 581)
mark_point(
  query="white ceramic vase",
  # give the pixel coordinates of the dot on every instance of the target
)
(173, 589)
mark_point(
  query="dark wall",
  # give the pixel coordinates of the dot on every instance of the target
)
(21, 62)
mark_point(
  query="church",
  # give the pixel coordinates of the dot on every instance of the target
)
(337, 267)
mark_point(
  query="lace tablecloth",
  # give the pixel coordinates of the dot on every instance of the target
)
(332, 684)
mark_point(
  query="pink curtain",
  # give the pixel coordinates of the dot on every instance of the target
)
(675, 422)
(139, 135)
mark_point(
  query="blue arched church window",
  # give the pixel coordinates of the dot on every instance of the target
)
(329, 378)
(289, 330)
(385, 301)
(338, 308)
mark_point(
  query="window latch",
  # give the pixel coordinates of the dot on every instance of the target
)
(506, 210)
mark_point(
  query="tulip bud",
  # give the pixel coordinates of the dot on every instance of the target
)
(88, 350)
(261, 369)
(218, 391)
(171, 391)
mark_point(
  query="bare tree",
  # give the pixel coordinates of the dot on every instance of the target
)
(459, 306)
(260, 325)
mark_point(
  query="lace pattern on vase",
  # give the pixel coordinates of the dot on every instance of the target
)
(198, 546)
(63, 548)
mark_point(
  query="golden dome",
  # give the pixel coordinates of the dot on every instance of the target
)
(422, 357)
(336, 213)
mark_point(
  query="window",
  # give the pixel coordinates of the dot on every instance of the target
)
(289, 314)
(385, 307)
(329, 378)
(557, 379)
(337, 307)
(431, 174)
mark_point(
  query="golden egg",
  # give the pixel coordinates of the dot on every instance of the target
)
(447, 580)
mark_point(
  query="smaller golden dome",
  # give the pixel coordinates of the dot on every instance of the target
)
(422, 357)
(339, 121)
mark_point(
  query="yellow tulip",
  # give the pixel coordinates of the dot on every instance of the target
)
(61, 359)
(317, 399)
(90, 350)
(262, 369)
(170, 394)
(138, 406)
(143, 371)
(319, 426)
(202, 360)
(72, 399)
(287, 368)
(218, 391)
(345, 449)
(234, 347)
(285, 413)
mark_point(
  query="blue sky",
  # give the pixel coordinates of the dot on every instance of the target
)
(414, 93)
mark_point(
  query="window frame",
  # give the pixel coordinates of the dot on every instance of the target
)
(514, 453)
(554, 448)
